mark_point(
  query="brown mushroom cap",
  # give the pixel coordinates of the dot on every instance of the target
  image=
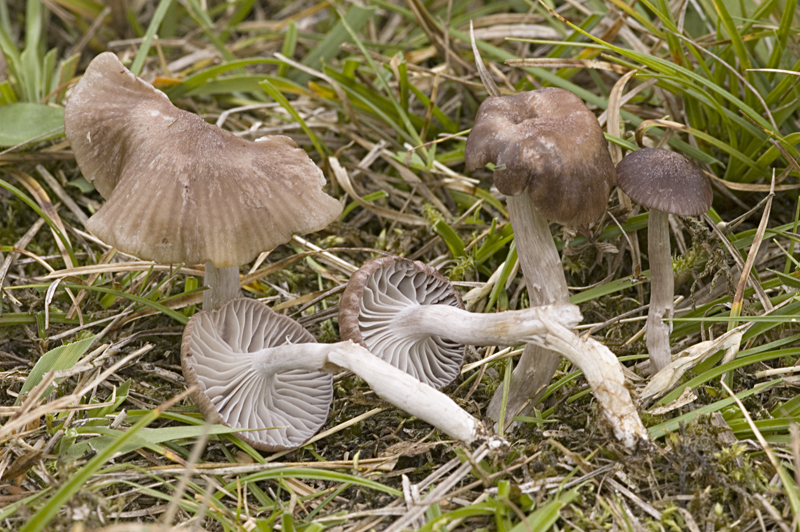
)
(666, 181)
(548, 142)
(218, 355)
(179, 189)
(380, 290)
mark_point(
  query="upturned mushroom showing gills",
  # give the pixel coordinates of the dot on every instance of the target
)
(552, 162)
(255, 369)
(409, 315)
(236, 387)
(179, 189)
(666, 183)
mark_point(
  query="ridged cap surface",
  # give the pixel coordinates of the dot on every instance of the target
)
(179, 189)
(666, 181)
(546, 143)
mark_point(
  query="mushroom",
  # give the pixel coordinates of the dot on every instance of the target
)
(235, 387)
(411, 316)
(666, 183)
(552, 162)
(255, 369)
(179, 189)
(408, 314)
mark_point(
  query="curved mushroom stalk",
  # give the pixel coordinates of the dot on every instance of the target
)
(662, 291)
(407, 393)
(403, 310)
(549, 329)
(502, 328)
(257, 369)
(603, 372)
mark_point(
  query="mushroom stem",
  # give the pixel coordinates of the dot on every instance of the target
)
(546, 327)
(662, 289)
(603, 372)
(222, 283)
(390, 383)
(404, 391)
(502, 328)
(544, 279)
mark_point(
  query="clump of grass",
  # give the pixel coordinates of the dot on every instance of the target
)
(389, 90)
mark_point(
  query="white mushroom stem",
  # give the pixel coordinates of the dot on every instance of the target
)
(603, 372)
(502, 328)
(543, 328)
(390, 383)
(223, 285)
(662, 290)
(546, 284)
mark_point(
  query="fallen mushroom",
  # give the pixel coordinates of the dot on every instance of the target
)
(179, 189)
(255, 369)
(552, 162)
(409, 315)
(666, 183)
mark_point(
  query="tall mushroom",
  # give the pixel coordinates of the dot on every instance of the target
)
(179, 189)
(408, 314)
(256, 369)
(666, 183)
(552, 162)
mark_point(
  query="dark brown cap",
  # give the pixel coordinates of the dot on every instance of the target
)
(179, 189)
(378, 292)
(548, 143)
(666, 181)
(217, 356)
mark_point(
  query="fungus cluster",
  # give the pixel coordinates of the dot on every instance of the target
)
(256, 369)
(221, 200)
(387, 307)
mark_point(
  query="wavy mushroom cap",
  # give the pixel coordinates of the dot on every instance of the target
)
(377, 293)
(548, 143)
(218, 354)
(179, 189)
(665, 181)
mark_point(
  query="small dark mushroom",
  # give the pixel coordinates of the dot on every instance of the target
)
(666, 183)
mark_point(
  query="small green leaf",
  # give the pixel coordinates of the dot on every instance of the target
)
(24, 122)
(81, 184)
(546, 516)
(356, 17)
(453, 241)
(60, 358)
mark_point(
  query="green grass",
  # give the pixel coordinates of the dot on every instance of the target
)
(394, 85)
